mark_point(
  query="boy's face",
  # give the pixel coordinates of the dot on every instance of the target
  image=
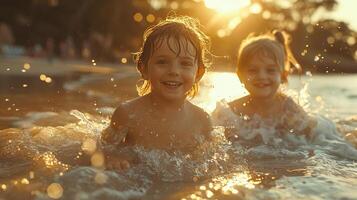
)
(170, 73)
(261, 76)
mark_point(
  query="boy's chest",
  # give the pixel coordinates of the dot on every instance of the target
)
(164, 133)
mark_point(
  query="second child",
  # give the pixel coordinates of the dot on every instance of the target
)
(263, 66)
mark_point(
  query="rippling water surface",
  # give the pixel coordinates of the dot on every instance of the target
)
(48, 146)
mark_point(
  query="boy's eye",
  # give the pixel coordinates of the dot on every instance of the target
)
(161, 61)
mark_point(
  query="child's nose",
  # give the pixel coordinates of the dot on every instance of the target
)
(262, 74)
(174, 69)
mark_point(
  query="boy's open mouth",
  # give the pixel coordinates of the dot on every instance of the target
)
(171, 84)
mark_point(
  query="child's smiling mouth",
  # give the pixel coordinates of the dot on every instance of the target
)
(261, 85)
(172, 84)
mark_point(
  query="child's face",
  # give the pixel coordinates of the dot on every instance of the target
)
(172, 75)
(261, 77)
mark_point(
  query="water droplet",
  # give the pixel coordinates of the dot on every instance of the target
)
(209, 194)
(32, 175)
(351, 40)
(3, 186)
(55, 191)
(27, 66)
(124, 60)
(25, 181)
(245, 117)
(316, 58)
(330, 40)
(138, 17)
(48, 80)
(203, 187)
(89, 146)
(100, 178)
(97, 160)
(43, 77)
(150, 18)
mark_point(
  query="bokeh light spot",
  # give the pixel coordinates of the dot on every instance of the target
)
(150, 18)
(55, 191)
(97, 160)
(138, 17)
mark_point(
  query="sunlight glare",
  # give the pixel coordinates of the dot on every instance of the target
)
(226, 6)
(217, 86)
(227, 185)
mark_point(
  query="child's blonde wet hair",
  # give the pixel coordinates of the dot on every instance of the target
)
(274, 45)
(174, 27)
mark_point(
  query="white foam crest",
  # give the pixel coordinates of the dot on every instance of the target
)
(208, 159)
(90, 125)
(328, 138)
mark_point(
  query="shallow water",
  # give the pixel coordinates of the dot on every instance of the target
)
(48, 148)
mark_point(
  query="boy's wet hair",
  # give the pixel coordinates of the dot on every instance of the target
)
(274, 45)
(176, 28)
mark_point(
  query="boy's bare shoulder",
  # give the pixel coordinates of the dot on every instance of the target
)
(201, 116)
(199, 112)
(122, 112)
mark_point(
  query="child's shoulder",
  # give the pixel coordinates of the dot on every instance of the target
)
(197, 111)
(200, 115)
(289, 104)
(123, 110)
(239, 105)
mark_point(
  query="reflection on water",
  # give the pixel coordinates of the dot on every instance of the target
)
(52, 151)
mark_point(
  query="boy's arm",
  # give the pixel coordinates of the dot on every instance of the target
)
(114, 136)
(116, 132)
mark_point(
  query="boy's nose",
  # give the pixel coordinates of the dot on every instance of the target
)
(174, 69)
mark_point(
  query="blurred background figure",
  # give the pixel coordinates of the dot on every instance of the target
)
(325, 36)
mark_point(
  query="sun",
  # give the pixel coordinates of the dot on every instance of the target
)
(227, 6)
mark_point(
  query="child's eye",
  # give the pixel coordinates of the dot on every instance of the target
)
(252, 70)
(161, 61)
(187, 63)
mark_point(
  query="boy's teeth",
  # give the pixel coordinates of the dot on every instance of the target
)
(172, 83)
